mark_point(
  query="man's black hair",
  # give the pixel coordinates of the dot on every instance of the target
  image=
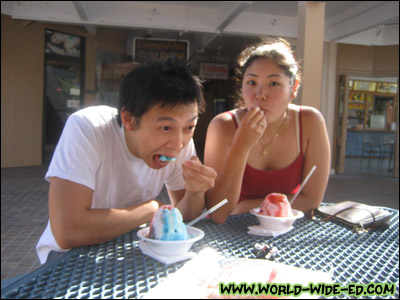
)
(168, 82)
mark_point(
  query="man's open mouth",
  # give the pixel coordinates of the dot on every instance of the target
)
(162, 160)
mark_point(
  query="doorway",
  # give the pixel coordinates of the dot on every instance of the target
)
(367, 122)
(63, 83)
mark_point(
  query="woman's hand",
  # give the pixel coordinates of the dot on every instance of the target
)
(251, 128)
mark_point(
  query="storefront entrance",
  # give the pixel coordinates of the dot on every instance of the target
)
(366, 133)
(64, 69)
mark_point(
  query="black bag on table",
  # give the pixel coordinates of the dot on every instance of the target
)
(360, 217)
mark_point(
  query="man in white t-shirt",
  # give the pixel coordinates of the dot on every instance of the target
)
(106, 170)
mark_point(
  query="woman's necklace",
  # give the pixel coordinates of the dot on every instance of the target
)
(265, 149)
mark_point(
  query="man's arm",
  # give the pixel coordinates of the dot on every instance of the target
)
(74, 223)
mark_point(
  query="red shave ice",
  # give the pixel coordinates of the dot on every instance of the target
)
(276, 205)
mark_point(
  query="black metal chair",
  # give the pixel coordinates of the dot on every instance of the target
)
(387, 150)
(371, 148)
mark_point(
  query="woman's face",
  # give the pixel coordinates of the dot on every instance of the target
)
(265, 84)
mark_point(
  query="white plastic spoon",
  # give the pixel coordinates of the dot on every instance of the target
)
(207, 212)
(303, 184)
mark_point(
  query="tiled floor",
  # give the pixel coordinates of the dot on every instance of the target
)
(24, 211)
(24, 214)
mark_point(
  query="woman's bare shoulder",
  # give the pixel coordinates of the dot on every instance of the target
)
(309, 113)
(223, 121)
(313, 122)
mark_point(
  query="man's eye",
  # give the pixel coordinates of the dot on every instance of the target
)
(191, 128)
(165, 128)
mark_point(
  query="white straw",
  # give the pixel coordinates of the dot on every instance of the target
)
(215, 207)
(303, 184)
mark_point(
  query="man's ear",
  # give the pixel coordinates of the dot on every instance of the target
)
(127, 120)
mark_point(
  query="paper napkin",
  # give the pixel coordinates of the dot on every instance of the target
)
(199, 277)
(164, 259)
(258, 230)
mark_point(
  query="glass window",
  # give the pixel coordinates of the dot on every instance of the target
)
(368, 86)
(387, 87)
(370, 105)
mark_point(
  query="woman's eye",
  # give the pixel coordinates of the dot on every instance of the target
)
(274, 83)
(251, 82)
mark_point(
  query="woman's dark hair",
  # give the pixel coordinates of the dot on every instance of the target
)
(168, 82)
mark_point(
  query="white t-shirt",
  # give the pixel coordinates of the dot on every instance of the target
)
(92, 151)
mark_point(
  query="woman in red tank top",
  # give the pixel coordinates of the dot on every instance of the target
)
(267, 144)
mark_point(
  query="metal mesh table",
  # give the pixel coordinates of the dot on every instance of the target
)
(118, 268)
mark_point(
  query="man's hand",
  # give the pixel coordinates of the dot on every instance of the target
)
(198, 177)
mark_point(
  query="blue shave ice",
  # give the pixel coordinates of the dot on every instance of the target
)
(166, 158)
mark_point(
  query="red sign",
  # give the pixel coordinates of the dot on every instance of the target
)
(213, 71)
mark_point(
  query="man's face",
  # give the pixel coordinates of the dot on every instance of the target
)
(161, 131)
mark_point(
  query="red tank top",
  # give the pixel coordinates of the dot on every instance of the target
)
(259, 183)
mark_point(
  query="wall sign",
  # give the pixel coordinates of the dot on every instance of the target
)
(213, 71)
(62, 43)
(153, 49)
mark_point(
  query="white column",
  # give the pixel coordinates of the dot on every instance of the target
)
(310, 43)
(328, 94)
